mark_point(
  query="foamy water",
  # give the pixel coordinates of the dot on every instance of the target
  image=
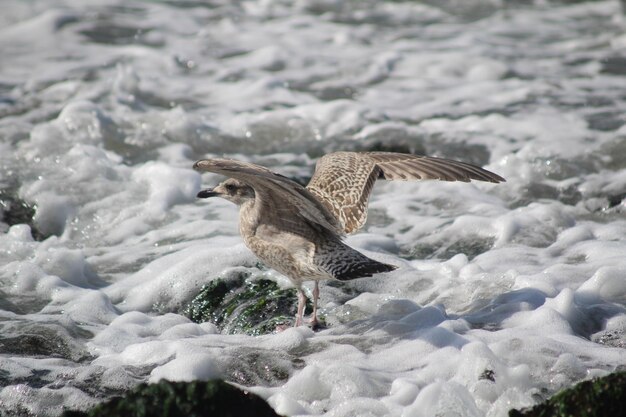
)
(505, 293)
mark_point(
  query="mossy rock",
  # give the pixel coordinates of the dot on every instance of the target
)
(184, 399)
(599, 397)
(240, 305)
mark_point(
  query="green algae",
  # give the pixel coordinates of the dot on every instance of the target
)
(242, 305)
(598, 397)
(181, 399)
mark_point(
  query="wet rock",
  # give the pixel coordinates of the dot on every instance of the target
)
(197, 398)
(613, 338)
(615, 65)
(240, 305)
(14, 210)
(488, 374)
(38, 340)
(599, 397)
(616, 200)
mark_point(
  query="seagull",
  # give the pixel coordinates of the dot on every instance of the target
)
(298, 231)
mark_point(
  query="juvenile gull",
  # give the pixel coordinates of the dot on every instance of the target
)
(298, 231)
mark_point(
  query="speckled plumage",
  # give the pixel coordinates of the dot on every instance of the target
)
(298, 231)
(343, 181)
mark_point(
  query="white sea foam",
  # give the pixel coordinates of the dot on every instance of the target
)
(504, 293)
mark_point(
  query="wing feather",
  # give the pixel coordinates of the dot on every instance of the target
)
(287, 201)
(343, 181)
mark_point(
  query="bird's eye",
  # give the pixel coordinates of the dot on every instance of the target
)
(230, 188)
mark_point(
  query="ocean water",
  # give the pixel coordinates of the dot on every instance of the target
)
(504, 293)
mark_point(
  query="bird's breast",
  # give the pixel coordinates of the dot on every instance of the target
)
(290, 254)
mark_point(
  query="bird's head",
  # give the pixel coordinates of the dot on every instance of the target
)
(232, 190)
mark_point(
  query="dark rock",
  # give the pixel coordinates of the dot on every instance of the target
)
(49, 340)
(615, 65)
(14, 210)
(245, 306)
(488, 374)
(613, 338)
(598, 397)
(184, 399)
(615, 200)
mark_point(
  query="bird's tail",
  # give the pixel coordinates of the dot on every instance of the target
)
(364, 269)
(345, 263)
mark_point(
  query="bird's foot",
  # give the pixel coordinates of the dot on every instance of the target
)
(316, 324)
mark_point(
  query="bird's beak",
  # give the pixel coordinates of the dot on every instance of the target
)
(207, 193)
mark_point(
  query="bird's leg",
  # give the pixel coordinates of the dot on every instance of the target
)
(316, 293)
(301, 305)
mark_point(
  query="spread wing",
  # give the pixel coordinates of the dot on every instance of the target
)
(343, 181)
(277, 198)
